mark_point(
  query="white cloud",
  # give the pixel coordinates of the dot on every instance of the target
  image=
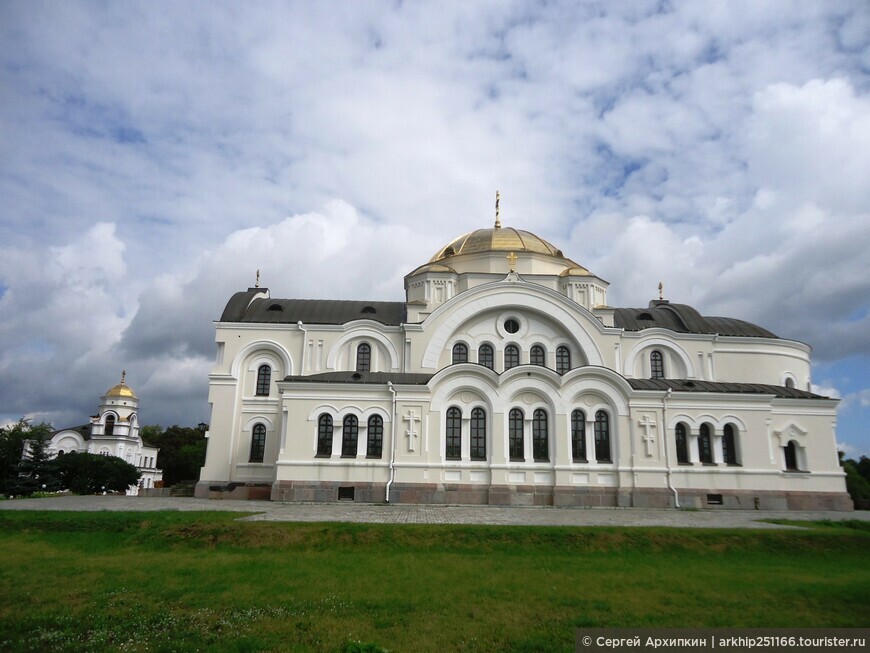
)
(150, 153)
(827, 389)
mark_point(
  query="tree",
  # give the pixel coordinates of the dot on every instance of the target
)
(182, 451)
(857, 480)
(12, 440)
(88, 473)
(36, 470)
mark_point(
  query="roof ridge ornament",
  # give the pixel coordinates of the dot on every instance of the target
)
(497, 218)
(257, 283)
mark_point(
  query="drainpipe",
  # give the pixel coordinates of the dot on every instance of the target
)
(393, 438)
(667, 449)
(304, 345)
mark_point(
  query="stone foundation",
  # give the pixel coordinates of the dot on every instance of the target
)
(223, 490)
(524, 495)
(327, 491)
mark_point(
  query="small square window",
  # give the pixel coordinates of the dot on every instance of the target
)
(346, 493)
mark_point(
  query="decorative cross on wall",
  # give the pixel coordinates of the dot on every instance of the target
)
(512, 259)
(647, 437)
(411, 433)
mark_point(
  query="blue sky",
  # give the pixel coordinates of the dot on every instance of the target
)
(154, 155)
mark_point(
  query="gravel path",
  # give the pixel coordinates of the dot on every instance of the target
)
(429, 514)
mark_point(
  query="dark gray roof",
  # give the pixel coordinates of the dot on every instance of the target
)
(377, 378)
(694, 385)
(242, 307)
(680, 318)
(683, 319)
(84, 430)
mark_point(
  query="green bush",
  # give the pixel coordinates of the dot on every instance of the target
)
(88, 473)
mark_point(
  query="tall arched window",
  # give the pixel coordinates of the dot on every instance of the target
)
(578, 436)
(682, 438)
(375, 431)
(705, 444)
(460, 353)
(110, 425)
(656, 365)
(364, 357)
(485, 356)
(540, 441)
(515, 434)
(349, 436)
(537, 356)
(324, 436)
(478, 434)
(258, 443)
(791, 460)
(789, 382)
(602, 437)
(511, 356)
(729, 445)
(563, 359)
(264, 379)
(454, 434)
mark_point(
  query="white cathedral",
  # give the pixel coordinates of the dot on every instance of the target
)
(505, 378)
(113, 431)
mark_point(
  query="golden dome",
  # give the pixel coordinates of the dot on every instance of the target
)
(122, 389)
(496, 239)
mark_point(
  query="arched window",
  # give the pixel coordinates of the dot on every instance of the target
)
(324, 435)
(789, 382)
(537, 355)
(578, 436)
(515, 434)
(349, 436)
(478, 434)
(791, 457)
(602, 437)
(540, 443)
(460, 353)
(563, 359)
(375, 445)
(454, 434)
(682, 438)
(511, 356)
(110, 425)
(364, 357)
(264, 378)
(729, 445)
(656, 365)
(705, 444)
(258, 443)
(485, 356)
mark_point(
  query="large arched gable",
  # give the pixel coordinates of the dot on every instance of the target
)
(357, 331)
(530, 384)
(448, 318)
(580, 382)
(265, 346)
(659, 342)
(68, 440)
(475, 379)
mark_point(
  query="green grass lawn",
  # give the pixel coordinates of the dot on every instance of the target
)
(201, 581)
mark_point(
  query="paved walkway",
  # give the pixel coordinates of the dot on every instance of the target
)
(429, 514)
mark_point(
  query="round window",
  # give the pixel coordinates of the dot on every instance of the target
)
(511, 326)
